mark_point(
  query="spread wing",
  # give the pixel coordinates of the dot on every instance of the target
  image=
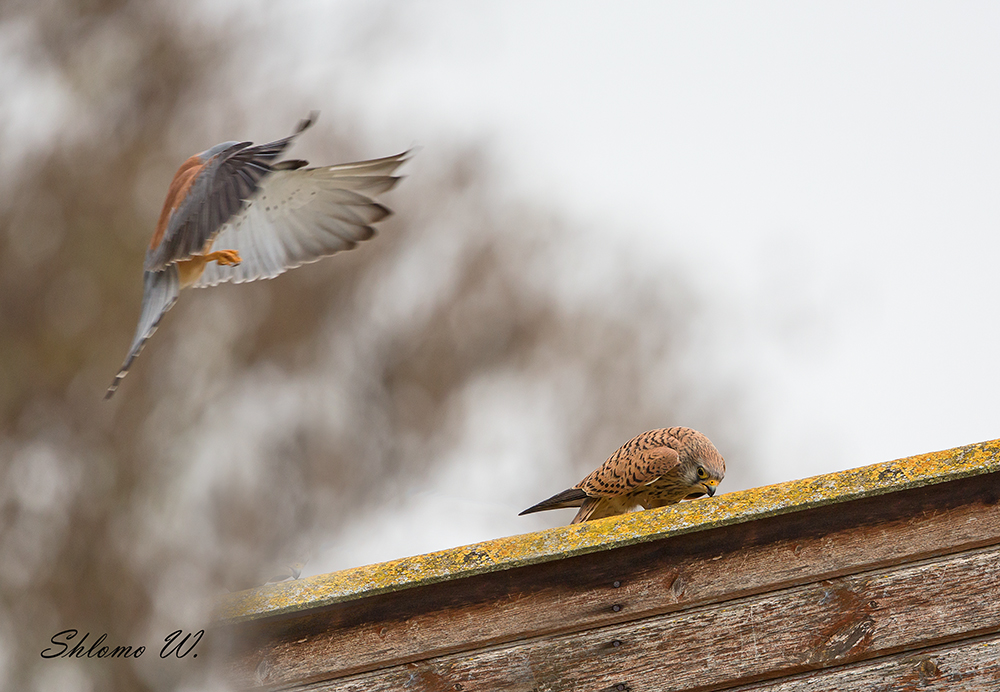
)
(638, 462)
(299, 216)
(205, 194)
(159, 294)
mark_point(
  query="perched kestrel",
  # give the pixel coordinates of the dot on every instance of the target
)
(654, 469)
(231, 214)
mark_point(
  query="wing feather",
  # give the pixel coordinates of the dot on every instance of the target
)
(297, 216)
(229, 177)
(638, 462)
(573, 497)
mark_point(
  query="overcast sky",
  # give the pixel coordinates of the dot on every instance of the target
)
(826, 174)
(829, 175)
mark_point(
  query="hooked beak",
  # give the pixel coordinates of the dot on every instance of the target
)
(710, 486)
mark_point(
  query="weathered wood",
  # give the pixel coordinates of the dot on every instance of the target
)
(672, 575)
(970, 666)
(811, 627)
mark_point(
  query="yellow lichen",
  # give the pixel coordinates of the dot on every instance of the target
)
(605, 534)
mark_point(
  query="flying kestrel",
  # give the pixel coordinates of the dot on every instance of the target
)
(233, 214)
(654, 469)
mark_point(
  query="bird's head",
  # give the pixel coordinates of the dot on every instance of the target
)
(702, 468)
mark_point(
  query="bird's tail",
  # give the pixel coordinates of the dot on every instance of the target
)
(159, 294)
(573, 497)
(587, 509)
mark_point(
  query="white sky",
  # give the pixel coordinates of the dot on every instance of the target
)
(828, 174)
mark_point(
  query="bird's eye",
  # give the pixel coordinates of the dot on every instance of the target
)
(702, 473)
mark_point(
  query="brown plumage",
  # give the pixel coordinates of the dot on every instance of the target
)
(657, 468)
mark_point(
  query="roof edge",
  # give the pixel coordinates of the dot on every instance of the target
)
(606, 534)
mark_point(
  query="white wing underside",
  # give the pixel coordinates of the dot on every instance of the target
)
(300, 216)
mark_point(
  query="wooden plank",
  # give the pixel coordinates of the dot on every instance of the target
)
(969, 666)
(817, 626)
(579, 593)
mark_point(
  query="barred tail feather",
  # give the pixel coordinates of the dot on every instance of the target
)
(587, 509)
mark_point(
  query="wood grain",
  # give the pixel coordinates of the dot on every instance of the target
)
(831, 623)
(580, 593)
(970, 666)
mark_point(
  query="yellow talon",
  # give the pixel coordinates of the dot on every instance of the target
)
(225, 257)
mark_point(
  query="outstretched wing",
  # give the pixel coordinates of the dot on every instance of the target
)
(299, 216)
(159, 294)
(638, 462)
(207, 192)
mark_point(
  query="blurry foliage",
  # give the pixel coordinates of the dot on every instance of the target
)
(261, 417)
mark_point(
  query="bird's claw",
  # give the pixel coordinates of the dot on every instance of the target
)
(227, 257)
